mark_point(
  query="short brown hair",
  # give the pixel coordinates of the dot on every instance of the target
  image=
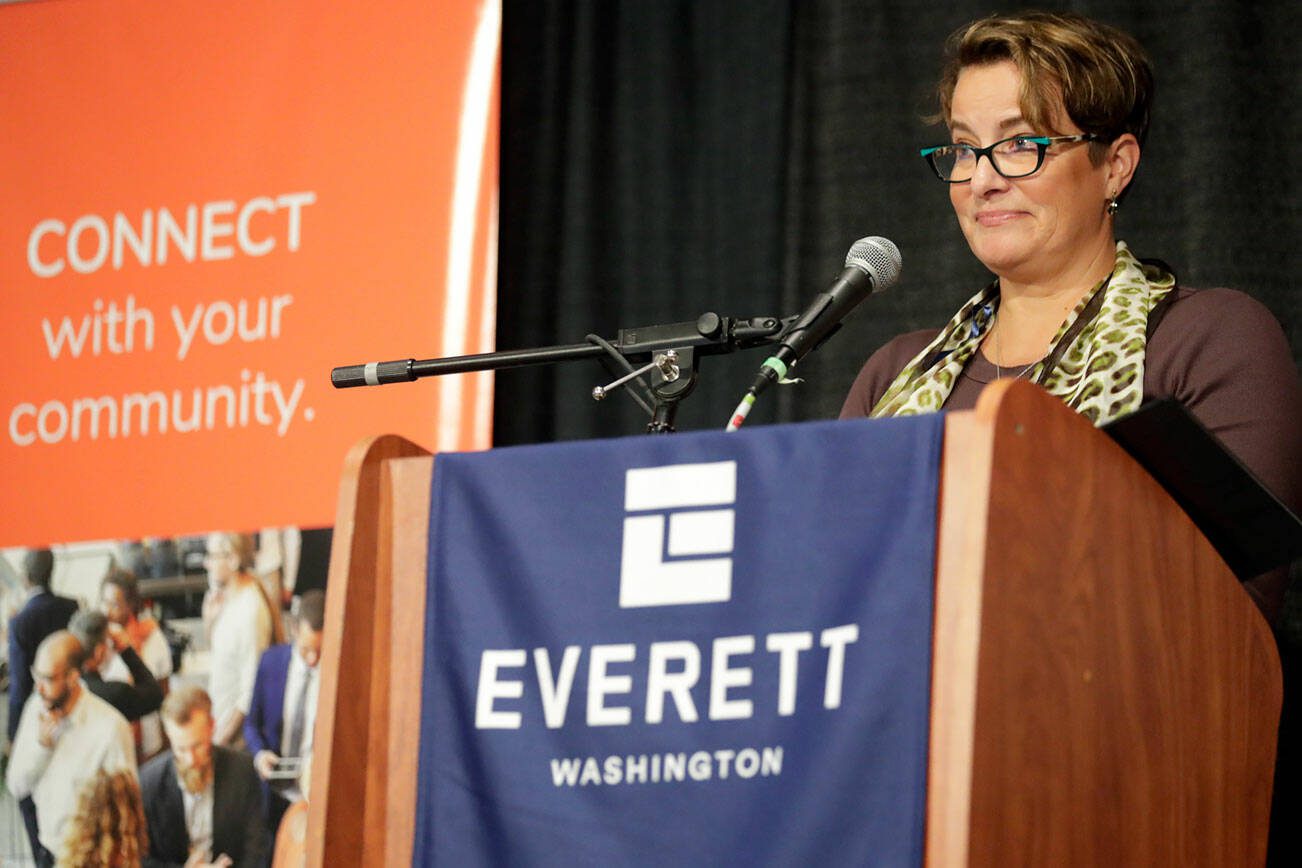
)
(1101, 74)
(311, 610)
(38, 564)
(182, 703)
(129, 585)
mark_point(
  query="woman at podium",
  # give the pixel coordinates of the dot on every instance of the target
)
(1047, 115)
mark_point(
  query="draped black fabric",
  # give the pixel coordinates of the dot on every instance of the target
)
(664, 159)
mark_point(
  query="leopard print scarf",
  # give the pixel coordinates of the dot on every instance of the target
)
(1095, 363)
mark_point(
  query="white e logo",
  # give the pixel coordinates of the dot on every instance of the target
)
(660, 569)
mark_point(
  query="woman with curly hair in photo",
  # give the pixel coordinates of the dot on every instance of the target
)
(108, 829)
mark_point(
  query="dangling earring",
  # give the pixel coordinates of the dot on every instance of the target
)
(1112, 206)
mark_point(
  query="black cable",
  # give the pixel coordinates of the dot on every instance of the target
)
(623, 363)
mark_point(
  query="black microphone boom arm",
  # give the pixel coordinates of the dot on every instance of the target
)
(709, 334)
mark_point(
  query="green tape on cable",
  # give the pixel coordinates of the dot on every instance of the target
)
(780, 368)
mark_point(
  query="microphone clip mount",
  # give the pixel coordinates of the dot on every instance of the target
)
(665, 363)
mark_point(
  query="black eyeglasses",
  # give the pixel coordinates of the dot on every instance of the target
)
(1013, 157)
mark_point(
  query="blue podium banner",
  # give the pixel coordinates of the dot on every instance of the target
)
(701, 649)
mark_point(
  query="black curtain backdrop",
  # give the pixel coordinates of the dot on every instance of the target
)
(664, 158)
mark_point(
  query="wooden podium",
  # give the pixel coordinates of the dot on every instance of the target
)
(1103, 689)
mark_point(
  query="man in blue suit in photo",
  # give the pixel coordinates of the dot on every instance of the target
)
(283, 709)
(44, 614)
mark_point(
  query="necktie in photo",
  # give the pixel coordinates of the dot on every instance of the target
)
(296, 722)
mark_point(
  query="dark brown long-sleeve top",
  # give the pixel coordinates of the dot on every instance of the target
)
(1217, 351)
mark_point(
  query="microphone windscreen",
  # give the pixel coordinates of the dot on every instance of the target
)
(878, 257)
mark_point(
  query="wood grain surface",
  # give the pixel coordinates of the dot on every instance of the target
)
(345, 803)
(1127, 690)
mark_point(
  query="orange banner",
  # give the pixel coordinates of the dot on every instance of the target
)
(208, 206)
